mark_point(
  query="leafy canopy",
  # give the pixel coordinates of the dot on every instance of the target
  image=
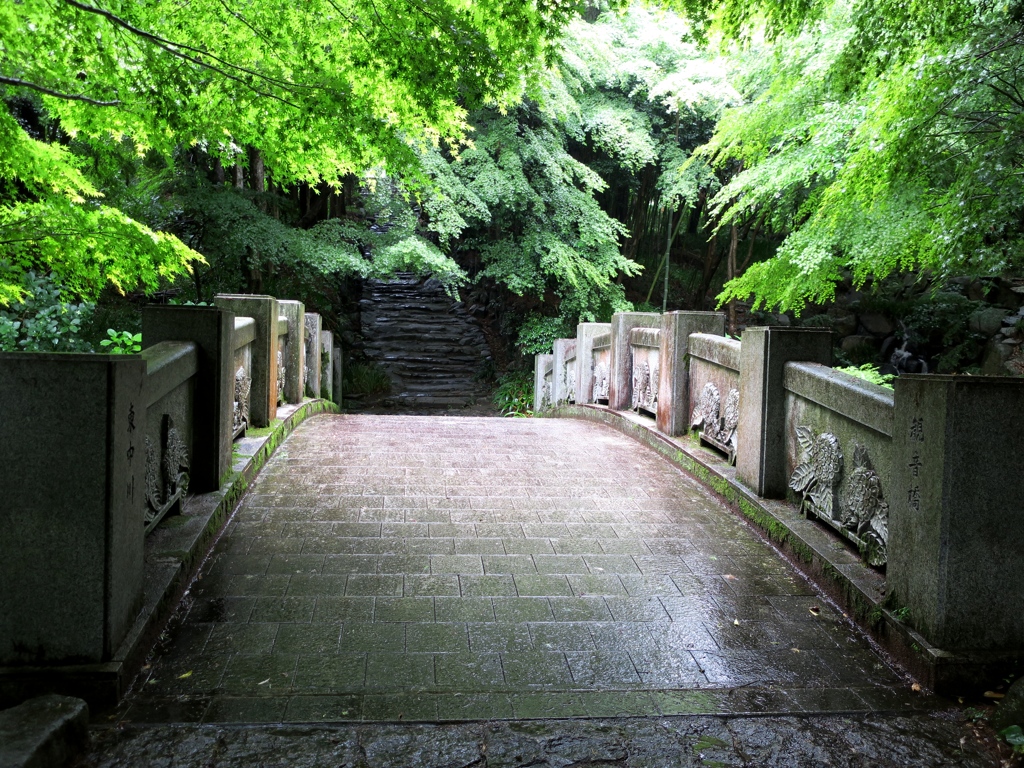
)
(875, 137)
(321, 88)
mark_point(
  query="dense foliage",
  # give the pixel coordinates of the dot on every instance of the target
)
(875, 138)
(570, 192)
(309, 91)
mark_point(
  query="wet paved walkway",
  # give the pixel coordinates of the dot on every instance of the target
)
(422, 569)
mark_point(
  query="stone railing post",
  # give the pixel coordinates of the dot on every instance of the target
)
(327, 365)
(541, 390)
(263, 390)
(956, 512)
(336, 373)
(563, 380)
(295, 361)
(73, 458)
(674, 380)
(620, 377)
(585, 333)
(761, 433)
(312, 353)
(212, 329)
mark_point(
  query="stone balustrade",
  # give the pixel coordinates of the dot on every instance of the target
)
(924, 484)
(97, 449)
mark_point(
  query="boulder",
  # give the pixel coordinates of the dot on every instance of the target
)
(844, 324)
(851, 343)
(1011, 709)
(986, 321)
(995, 357)
(877, 324)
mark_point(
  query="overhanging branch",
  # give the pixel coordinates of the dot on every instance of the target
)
(17, 82)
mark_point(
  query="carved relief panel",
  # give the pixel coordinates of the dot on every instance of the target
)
(717, 428)
(857, 508)
(167, 474)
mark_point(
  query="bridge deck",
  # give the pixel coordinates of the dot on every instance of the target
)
(420, 568)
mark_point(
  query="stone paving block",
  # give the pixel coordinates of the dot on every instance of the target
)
(562, 637)
(406, 707)
(590, 585)
(167, 710)
(542, 585)
(542, 705)
(306, 639)
(241, 638)
(330, 672)
(406, 609)
(509, 564)
(499, 637)
(437, 638)
(468, 564)
(245, 709)
(443, 584)
(522, 609)
(475, 706)
(339, 609)
(579, 609)
(536, 669)
(397, 671)
(327, 709)
(468, 671)
(488, 586)
(283, 609)
(463, 609)
(357, 637)
(264, 674)
(374, 585)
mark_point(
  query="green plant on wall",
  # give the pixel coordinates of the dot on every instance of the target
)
(122, 342)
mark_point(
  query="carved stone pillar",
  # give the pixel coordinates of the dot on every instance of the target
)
(761, 432)
(956, 512)
(73, 458)
(674, 384)
(585, 333)
(295, 361)
(312, 353)
(563, 380)
(263, 391)
(212, 329)
(620, 384)
(542, 365)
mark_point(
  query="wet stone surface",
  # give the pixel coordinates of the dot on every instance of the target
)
(879, 741)
(414, 569)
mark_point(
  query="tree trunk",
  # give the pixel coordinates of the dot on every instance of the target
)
(258, 177)
(731, 266)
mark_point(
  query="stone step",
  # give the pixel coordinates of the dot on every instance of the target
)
(429, 344)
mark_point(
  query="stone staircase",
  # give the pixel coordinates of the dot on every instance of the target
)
(430, 345)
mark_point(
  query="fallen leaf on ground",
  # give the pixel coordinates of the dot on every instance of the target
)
(916, 687)
(264, 682)
(994, 695)
(736, 622)
(187, 674)
(815, 610)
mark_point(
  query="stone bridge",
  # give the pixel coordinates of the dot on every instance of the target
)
(571, 572)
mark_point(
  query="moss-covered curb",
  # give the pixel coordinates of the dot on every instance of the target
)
(174, 552)
(819, 554)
